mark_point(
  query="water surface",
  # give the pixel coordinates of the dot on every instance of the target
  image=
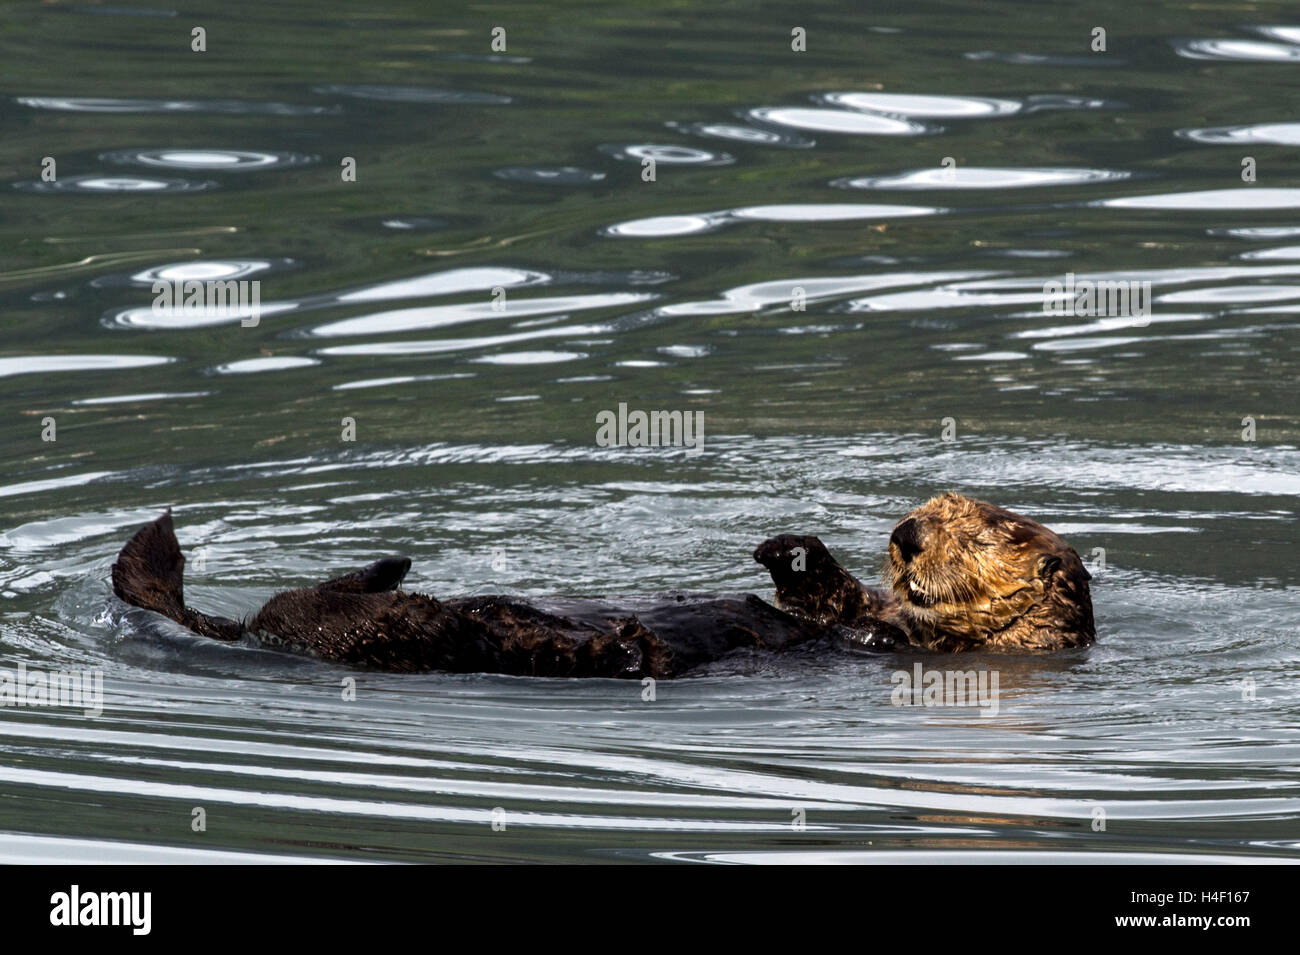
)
(487, 176)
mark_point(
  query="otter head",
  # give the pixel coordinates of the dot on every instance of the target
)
(970, 575)
(809, 581)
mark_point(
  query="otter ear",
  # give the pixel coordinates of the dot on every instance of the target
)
(1048, 566)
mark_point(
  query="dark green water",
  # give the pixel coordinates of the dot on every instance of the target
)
(475, 448)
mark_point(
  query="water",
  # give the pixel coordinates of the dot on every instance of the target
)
(475, 452)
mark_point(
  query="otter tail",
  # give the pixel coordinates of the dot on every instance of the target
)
(149, 573)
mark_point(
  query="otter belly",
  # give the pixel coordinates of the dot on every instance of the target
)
(658, 636)
(661, 635)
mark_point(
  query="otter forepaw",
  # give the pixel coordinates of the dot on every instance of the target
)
(876, 638)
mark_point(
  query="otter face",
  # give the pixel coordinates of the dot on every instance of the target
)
(969, 575)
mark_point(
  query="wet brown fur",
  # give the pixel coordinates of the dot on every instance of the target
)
(970, 575)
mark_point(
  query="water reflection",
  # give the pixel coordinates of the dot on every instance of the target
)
(925, 106)
(550, 175)
(208, 160)
(99, 184)
(981, 177)
(1278, 134)
(1241, 50)
(842, 121)
(252, 366)
(1246, 197)
(411, 94)
(660, 226)
(744, 134)
(100, 104)
(45, 364)
(669, 155)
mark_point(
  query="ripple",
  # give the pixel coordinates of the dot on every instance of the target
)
(447, 282)
(965, 856)
(396, 380)
(1284, 253)
(743, 134)
(208, 270)
(1240, 50)
(97, 184)
(144, 396)
(1231, 295)
(982, 177)
(182, 317)
(550, 175)
(1276, 134)
(450, 282)
(993, 356)
(1245, 197)
(120, 11)
(439, 316)
(759, 295)
(1287, 34)
(221, 160)
(446, 345)
(252, 366)
(483, 58)
(667, 155)
(828, 212)
(685, 351)
(925, 106)
(1042, 59)
(664, 226)
(97, 104)
(51, 484)
(661, 226)
(414, 223)
(530, 358)
(1047, 102)
(1259, 232)
(44, 364)
(411, 94)
(849, 122)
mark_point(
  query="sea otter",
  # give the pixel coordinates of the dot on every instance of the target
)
(963, 575)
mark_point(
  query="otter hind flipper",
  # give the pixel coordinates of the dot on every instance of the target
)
(149, 573)
(150, 568)
(384, 574)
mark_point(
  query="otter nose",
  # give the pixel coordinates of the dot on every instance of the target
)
(907, 538)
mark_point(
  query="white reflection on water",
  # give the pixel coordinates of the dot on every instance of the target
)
(1280, 134)
(675, 225)
(439, 346)
(251, 366)
(1230, 49)
(45, 364)
(982, 177)
(842, 121)
(926, 106)
(1246, 197)
(439, 316)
